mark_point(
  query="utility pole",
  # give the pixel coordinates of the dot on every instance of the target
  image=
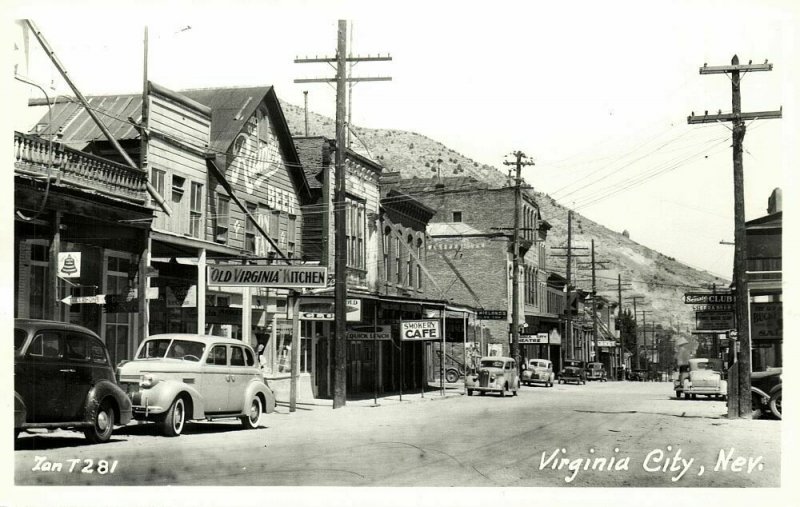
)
(621, 350)
(340, 206)
(515, 261)
(635, 358)
(644, 338)
(739, 390)
(569, 255)
(305, 110)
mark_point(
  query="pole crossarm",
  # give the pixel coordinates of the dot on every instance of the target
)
(333, 59)
(713, 118)
(727, 69)
(349, 79)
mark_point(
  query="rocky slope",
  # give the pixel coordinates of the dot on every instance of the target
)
(658, 279)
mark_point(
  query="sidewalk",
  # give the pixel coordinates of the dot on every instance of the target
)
(433, 392)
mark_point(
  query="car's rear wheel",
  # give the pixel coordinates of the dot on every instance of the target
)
(250, 421)
(469, 392)
(102, 425)
(174, 420)
(775, 404)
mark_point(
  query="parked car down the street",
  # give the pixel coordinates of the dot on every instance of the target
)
(767, 392)
(596, 371)
(573, 371)
(179, 377)
(538, 371)
(494, 374)
(701, 376)
(64, 378)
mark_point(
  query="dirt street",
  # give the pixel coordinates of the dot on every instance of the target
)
(614, 434)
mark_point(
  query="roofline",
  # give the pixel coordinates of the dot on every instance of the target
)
(179, 98)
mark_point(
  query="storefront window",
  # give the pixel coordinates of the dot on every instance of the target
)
(117, 327)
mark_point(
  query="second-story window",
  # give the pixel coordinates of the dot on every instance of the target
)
(223, 219)
(291, 234)
(397, 266)
(250, 228)
(456, 216)
(355, 232)
(196, 211)
(410, 262)
(420, 251)
(386, 236)
(158, 178)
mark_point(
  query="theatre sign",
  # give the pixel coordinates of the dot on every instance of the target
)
(307, 277)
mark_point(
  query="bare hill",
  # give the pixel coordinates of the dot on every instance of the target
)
(659, 279)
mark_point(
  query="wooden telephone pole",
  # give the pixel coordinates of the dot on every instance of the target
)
(515, 261)
(340, 206)
(569, 255)
(739, 404)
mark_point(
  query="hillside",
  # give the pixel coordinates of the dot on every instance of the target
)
(659, 279)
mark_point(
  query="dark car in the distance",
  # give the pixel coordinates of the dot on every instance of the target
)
(64, 378)
(573, 370)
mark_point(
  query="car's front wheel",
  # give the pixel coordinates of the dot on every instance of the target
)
(103, 424)
(250, 421)
(775, 404)
(175, 418)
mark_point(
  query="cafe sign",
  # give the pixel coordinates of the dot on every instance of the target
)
(417, 330)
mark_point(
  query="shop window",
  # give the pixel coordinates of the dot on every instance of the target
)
(196, 211)
(37, 288)
(222, 219)
(117, 325)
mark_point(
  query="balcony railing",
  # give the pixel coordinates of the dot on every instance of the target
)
(74, 168)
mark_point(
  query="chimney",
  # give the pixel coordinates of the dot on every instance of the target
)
(775, 202)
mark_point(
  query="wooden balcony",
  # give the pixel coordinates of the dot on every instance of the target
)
(70, 167)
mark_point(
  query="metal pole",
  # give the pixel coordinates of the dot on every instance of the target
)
(295, 353)
(464, 353)
(375, 351)
(570, 339)
(441, 356)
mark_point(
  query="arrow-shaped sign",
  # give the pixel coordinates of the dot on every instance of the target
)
(99, 299)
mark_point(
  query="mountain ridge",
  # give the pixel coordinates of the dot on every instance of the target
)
(659, 279)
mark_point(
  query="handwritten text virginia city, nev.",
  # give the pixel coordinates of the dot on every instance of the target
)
(665, 461)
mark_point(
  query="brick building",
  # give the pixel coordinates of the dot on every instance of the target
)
(471, 254)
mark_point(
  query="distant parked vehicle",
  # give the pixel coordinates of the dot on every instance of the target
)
(178, 377)
(767, 392)
(701, 376)
(495, 374)
(64, 378)
(637, 375)
(538, 371)
(596, 371)
(572, 371)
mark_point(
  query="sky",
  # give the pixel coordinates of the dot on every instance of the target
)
(595, 94)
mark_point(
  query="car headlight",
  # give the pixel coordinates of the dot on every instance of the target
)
(148, 380)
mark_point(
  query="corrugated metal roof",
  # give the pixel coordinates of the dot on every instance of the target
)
(77, 128)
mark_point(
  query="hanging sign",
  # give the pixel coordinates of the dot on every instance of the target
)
(325, 309)
(69, 264)
(415, 330)
(305, 277)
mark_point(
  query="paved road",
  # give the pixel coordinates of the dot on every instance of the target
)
(602, 434)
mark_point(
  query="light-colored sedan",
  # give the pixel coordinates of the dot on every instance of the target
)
(494, 374)
(538, 371)
(179, 377)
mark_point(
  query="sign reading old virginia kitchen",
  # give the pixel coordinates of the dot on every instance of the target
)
(269, 276)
